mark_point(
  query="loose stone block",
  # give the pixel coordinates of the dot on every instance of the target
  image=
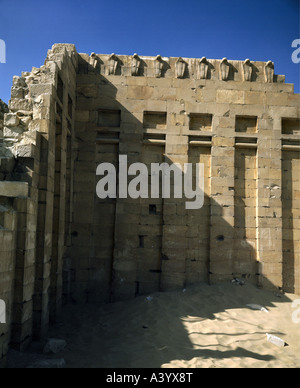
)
(14, 189)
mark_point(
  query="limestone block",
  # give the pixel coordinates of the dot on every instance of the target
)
(20, 104)
(11, 120)
(137, 81)
(166, 94)
(206, 95)
(140, 92)
(159, 82)
(230, 96)
(277, 99)
(14, 189)
(39, 125)
(25, 151)
(222, 141)
(13, 133)
(17, 92)
(36, 90)
(19, 81)
(172, 281)
(254, 97)
(89, 91)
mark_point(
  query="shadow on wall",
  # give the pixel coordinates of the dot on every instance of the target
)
(290, 245)
(126, 247)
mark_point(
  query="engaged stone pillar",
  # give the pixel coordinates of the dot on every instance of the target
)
(222, 200)
(174, 240)
(269, 205)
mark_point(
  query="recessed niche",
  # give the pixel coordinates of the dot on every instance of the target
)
(200, 122)
(108, 137)
(246, 140)
(70, 106)
(141, 241)
(58, 114)
(152, 209)
(109, 118)
(246, 124)
(60, 89)
(290, 126)
(156, 120)
(154, 136)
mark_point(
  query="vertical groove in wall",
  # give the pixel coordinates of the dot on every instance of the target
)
(175, 228)
(245, 224)
(103, 230)
(150, 230)
(290, 220)
(40, 298)
(66, 276)
(198, 222)
(56, 222)
(258, 258)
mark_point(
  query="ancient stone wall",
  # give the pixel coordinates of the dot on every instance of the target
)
(59, 242)
(236, 117)
(35, 163)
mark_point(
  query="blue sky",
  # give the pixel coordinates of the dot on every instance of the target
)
(257, 29)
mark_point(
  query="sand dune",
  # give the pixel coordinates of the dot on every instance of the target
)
(205, 326)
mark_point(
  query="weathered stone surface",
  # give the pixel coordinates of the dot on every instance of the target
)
(11, 120)
(14, 189)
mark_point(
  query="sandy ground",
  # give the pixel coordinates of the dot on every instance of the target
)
(201, 327)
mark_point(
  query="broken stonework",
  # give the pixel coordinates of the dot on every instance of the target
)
(14, 189)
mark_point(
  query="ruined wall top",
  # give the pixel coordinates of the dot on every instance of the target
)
(32, 96)
(171, 67)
